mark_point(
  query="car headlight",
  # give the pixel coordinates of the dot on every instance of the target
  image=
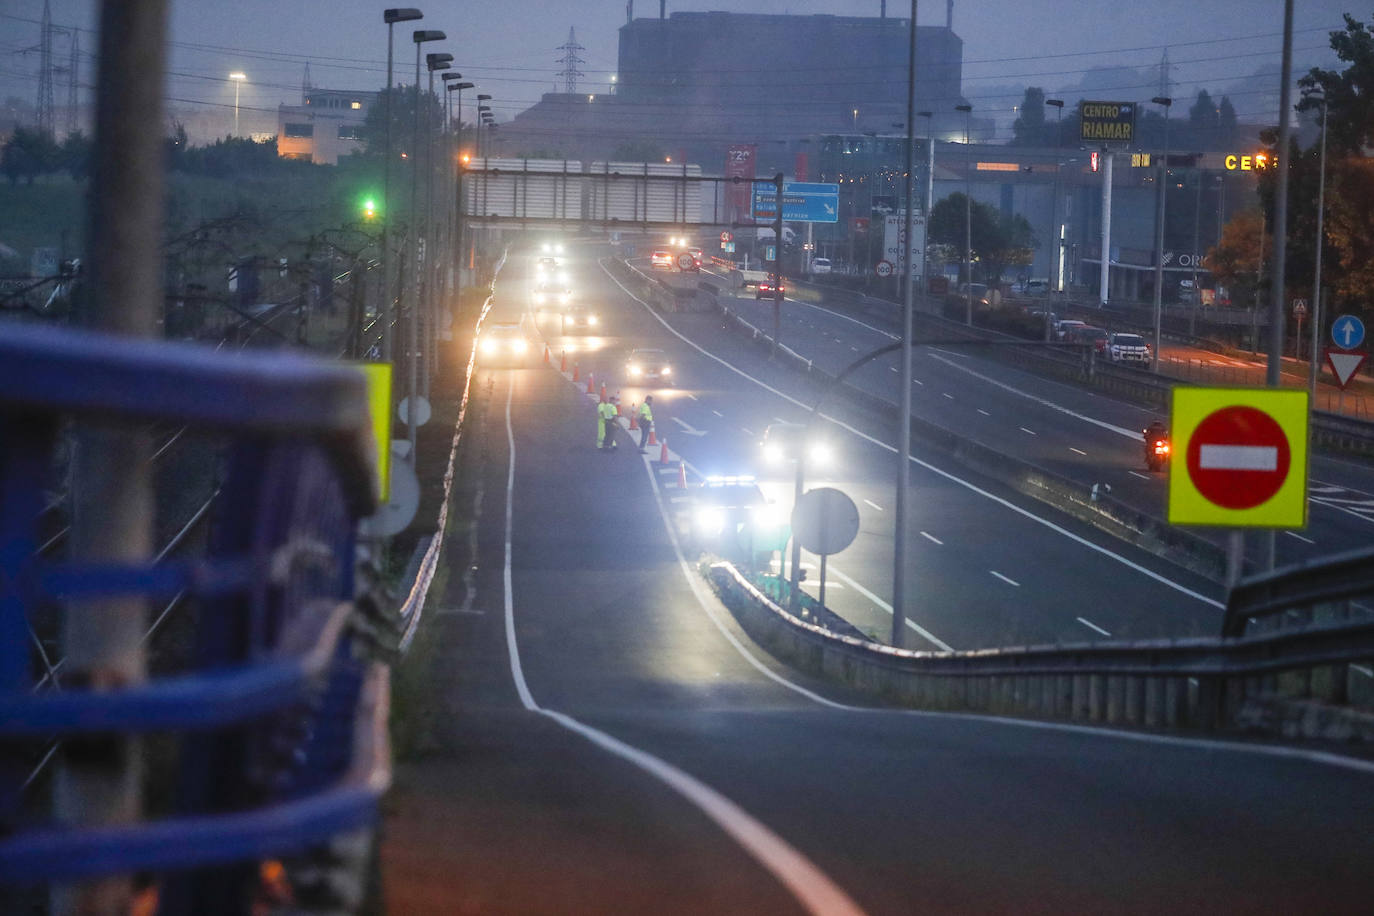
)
(710, 520)
(667, 370)
(772, 453)
(519, 346)
(488, 345)
(538, 298)
(767, 516)
(592, 320)
(558, 249)
(636, 370)
(820, 453)
(565, 298)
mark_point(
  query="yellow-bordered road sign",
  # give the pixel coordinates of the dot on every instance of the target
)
(379, 405)
(1239, 457)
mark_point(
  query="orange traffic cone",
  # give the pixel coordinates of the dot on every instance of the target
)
(634, 417)
(590, 382)
(603, 392)
(546, 354)
(574, 371)
(653, 440)
(682, 474)
(663, 455)
(619, 408)
(563, 364)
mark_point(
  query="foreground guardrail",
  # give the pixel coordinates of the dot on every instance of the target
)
(279, 722)
(1267, 682)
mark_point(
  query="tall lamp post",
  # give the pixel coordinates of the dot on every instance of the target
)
(458, 245)
(1167, 102)
(1313, 370)
(928, 197)
(429, 309)
(390, 17)
(968, 222)
(1055, 251)
(419, 36)
(448, 106)
(238, 78)
(482, 109)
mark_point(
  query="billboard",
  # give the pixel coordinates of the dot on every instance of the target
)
(1106, 122)
(739, 163)
(894, 230)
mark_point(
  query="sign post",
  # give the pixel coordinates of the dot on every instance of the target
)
(825, 521)
(1240, 460)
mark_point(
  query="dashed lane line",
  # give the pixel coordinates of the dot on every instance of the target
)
(874, 505)
(911, 624)
(1005, 579)
(932, 538)
(1294, 534)
(1078, 451)
(1092, 626)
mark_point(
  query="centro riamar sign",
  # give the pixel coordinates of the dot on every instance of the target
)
(1106, 122)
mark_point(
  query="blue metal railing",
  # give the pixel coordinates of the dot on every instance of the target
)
(280, 713)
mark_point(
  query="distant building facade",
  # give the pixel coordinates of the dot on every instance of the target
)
(328, 126)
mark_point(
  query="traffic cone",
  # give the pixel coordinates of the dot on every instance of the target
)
(546, 354)
(619, 408)
(563, 364)
(634, 416)
(682, 474)
(590, 382)
(663, 455)
(574, 371)
(603, 392)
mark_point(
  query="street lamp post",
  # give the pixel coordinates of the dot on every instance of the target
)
(1057, 105)
(458, 243)
(238, 79)
(1312, 369)
(1167, 102)
(928, 201)
(419, 36)
(482, 109)
(390, 17)
(429, 307)
(968, 222)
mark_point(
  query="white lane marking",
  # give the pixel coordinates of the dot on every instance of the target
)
(688, 428)
(874, 505)
(718, 413)
(692, 396)
(948, 395)
(932, 538)
(854, 348)
(1078, 451)
(1004, 578)
(984, 412)
(1092, 626)
(952, 478)
(1294, 534)
(1140, 475)
(815, 586)
(1363, 670)
(679, 499)
(747, 430)
(1030, 431)
(1120, 430)
(917, 381)
(814, 890)
(779, 420)
(1238, 457)
(911, 624)
(893, 368)
(887, 334)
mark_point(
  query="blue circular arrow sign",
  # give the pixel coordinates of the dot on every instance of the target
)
(1347, 332)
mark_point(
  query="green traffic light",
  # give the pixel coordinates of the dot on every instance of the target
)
(369, 209)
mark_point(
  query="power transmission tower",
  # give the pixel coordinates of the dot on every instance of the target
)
(305, 83)
(570, 60)
(45, 97)
(71, 83)
(1164, 68)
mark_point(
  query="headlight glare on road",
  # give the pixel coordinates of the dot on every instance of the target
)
(636, 371)
(710, 520)
(488, 346)
(592, 320)
(519, 346)
(820, 453)
(538, 298)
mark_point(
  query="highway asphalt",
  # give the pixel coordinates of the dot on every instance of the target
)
(610, 741)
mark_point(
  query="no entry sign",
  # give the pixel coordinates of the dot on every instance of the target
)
(1241, 458)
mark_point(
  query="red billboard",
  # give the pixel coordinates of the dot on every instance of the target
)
(801, 169)
(739, 163)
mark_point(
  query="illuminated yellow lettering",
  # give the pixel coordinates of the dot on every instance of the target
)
(1231, 162)
(1245, 163)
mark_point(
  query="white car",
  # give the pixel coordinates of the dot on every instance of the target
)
(1130, 349)
(820, 266)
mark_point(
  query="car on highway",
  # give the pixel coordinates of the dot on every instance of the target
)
(820, 266)
(553, 248)
(1087, 334)
(696, 254)
(1037, 288)
(1128, 349)
(580, 318)
(784, 443)
(503, 343)
(545, 264)
(732, 517)
(649, 365)
(979, 292)
(661, 260)
(764, 288)
(551, 294)
(1065, 326)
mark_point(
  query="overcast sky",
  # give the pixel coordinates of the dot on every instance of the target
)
(509, 47)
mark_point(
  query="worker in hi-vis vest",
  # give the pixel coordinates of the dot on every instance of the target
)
(606, 414)
(646, 420)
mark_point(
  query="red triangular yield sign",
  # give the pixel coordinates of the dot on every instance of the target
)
(1344, 364)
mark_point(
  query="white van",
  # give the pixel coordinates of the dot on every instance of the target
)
(820, 266)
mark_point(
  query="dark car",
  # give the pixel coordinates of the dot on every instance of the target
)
(784, 443)
(764, 289)
(1090, 335)
(732, 517)
(646, 365)
(503, 344)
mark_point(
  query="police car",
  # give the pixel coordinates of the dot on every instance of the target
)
(731, 517)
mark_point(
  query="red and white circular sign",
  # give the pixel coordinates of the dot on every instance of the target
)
(727, 236)
(883, 268)
(1238, 457)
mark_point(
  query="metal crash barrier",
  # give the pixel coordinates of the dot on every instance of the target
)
(276, 709)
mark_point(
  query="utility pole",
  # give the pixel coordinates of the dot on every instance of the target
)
(1277, 292)
(777, 264)
(99, 785)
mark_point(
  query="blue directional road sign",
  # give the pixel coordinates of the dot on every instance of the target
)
(802, 202)
(1347, 332)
